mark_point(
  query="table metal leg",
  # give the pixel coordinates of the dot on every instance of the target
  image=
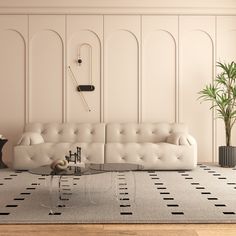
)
(135, 187)
(51, 200)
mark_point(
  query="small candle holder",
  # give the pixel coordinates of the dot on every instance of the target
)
(74, 157)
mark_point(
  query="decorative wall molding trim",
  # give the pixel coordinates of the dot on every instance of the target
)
(27, 85)
(120, 10)
(45, 31)
(119, 7)
(185, 7)
(118, 30)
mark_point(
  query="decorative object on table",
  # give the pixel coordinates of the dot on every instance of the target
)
(74, 157)
(3, 140)
(222, 94)
(58, 165)
(79, 90)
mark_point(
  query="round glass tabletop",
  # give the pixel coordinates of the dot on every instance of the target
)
(87, 169)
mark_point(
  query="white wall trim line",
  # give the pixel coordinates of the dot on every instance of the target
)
(120, 10)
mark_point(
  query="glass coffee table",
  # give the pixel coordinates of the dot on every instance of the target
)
(87, 169)
(63, 190)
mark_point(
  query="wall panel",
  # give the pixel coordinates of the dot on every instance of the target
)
(158, 83)
(121, 68)
(13, 51)
(84, 37)
(197, 37)
(159, 71)
(226, 52)
(46, 68)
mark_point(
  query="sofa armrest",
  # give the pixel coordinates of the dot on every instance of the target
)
(30, 138)
(181, 139)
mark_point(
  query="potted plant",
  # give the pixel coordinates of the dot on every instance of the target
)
(222, 93)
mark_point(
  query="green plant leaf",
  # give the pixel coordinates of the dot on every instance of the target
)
(222, 95)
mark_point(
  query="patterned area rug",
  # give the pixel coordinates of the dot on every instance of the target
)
(205, 195)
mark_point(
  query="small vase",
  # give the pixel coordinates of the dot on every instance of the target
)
(227, 156)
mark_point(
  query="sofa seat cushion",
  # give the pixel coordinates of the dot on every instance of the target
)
(161, 156)
(29, 157)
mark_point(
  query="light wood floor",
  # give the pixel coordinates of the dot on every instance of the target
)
(120, 230)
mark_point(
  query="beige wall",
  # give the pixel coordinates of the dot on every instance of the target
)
(145, 67)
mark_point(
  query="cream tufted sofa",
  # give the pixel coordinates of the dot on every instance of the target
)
(161, 146)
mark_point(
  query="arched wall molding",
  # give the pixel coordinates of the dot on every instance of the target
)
(213, 112)
(165, 31)
(124, 30)
(173, 39)
(31, 41)
(84, 43)
(14, 104)
(207, 36)
(206, 33)
(25, 80)
(83, 29)
(45, 30)
(17, 31)
(214, 115)
(111, 35)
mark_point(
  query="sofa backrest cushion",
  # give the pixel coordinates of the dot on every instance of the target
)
(69, 132)
(142, 133)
